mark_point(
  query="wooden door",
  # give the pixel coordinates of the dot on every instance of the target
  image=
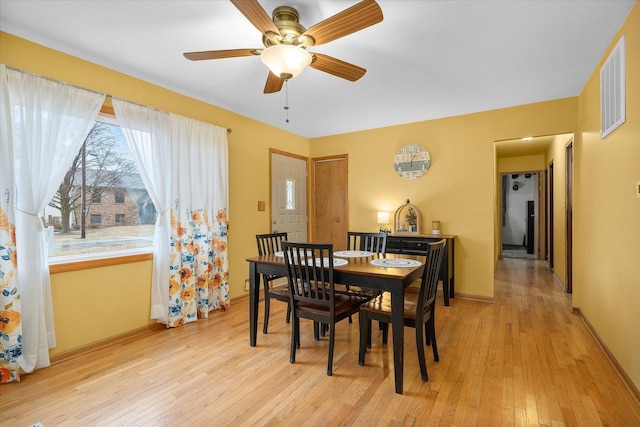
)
(289, 196)
(569, 218)
(551, 216)
(330, 192)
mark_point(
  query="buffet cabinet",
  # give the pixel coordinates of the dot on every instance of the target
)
(418, 244)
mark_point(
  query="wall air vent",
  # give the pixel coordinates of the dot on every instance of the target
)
(612, 90)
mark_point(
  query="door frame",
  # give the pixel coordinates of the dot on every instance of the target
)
(569, 215)
(273, 151)
(550, 210)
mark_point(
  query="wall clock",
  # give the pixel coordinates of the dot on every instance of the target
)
(412, 161)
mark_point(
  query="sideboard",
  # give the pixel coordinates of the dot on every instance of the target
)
(418, 244)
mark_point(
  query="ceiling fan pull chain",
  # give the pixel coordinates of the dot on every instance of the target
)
(286, 98)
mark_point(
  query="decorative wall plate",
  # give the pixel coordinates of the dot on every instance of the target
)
(412, 161)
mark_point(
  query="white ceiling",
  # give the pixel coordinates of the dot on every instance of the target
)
(425, 60)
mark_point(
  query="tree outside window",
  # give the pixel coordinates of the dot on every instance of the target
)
(103, 176)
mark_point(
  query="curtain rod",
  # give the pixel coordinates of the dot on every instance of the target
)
(229, 130)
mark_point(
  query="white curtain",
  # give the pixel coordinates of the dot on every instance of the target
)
(49, 121)
(184, 166)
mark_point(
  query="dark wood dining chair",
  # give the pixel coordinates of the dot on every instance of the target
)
(313, 296)
(366, 241)
(419, 310)
(362, 241)
(275, 287)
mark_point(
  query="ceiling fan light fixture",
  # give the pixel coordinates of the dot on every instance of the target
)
(286, 61)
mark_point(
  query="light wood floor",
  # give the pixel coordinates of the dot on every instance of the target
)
(523, 360)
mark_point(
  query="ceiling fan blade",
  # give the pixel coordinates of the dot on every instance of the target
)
(274, 83)
(218, 54)
(252, 10)
(355, 18)
(337, 67)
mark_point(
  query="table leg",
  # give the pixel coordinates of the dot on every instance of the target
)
(397, 328)
(445, 290)
(254, 294)
(452, 292)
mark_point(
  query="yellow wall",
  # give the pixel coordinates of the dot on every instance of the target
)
(93, 304)
(521, 164)
(606, 278)
(458, 189)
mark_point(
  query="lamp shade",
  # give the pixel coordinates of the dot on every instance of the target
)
(285, 60)
(383, 217)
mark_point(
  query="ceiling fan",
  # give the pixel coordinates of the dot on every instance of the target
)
(286, 41)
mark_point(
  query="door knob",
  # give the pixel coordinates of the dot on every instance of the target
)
(337, 219)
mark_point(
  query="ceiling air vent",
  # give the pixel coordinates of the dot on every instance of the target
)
(612, 90)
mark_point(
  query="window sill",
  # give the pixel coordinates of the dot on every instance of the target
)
(98, 259)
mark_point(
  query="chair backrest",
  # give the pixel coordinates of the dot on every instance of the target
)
(310, 272)
(429, 283)
(270, 243)
(372, 242)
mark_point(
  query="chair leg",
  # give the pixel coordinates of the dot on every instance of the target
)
(316, 331)
(295, 339)
(365, 336)
(434, 345)
(332, 340)
(267, 308)
(421, 358)
(385, 332)
(288, 312)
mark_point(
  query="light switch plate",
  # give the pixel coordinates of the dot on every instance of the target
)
(261, 205)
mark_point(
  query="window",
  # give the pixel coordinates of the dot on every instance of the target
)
(96, 195)
(291, 194)
(102, 204)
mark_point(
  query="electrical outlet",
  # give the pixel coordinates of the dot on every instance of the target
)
(246, 284)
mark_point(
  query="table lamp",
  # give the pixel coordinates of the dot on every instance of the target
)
(383, 220)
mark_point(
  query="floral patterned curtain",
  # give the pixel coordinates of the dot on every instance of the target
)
(183, 164)
(10, 317)
(43, 124)
(198, 280)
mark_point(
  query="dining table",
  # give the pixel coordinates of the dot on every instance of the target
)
(385, 272)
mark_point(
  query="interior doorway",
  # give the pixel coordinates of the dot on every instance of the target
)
(520, 207)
